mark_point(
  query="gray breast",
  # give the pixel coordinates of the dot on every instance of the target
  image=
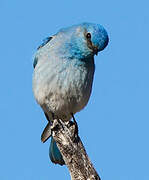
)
(65, 88)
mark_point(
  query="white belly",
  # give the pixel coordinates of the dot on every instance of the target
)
(65, 90)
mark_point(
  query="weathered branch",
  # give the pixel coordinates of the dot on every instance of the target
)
(66, 136)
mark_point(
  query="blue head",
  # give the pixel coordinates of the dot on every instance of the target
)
(84, 40)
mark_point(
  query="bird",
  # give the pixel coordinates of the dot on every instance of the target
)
(63, 74)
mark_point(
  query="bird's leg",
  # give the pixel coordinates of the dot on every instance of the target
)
(76, 125)
(73, 117)
(52, 116)
(47, 116)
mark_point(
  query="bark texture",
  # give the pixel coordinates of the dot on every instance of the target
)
(69, 143)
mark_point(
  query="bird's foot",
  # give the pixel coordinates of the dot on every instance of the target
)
(65, 127)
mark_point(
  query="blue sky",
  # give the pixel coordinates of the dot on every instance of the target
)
(118, 142)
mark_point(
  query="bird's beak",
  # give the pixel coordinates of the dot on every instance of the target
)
(95, 50)
(93, 47)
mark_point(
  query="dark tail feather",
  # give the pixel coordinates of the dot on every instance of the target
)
(46, 133)
(55, 154)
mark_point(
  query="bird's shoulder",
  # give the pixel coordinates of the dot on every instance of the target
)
(45, 41)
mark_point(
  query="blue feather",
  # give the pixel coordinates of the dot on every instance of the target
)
(55, 154)
(63, 78)
(45, 41)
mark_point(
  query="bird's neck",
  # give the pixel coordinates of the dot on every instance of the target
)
(71, 52)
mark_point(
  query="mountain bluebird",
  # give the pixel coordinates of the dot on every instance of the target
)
(63, 74)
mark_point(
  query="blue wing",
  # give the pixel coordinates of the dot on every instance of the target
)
(35, 62)
(45, 41)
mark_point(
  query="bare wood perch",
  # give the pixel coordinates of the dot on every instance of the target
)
(69, 143)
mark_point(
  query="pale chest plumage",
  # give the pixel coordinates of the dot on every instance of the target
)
(63, 86)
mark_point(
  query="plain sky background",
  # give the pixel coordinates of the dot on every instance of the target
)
(114, 126)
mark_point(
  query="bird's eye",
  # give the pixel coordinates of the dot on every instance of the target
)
(88, 35)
